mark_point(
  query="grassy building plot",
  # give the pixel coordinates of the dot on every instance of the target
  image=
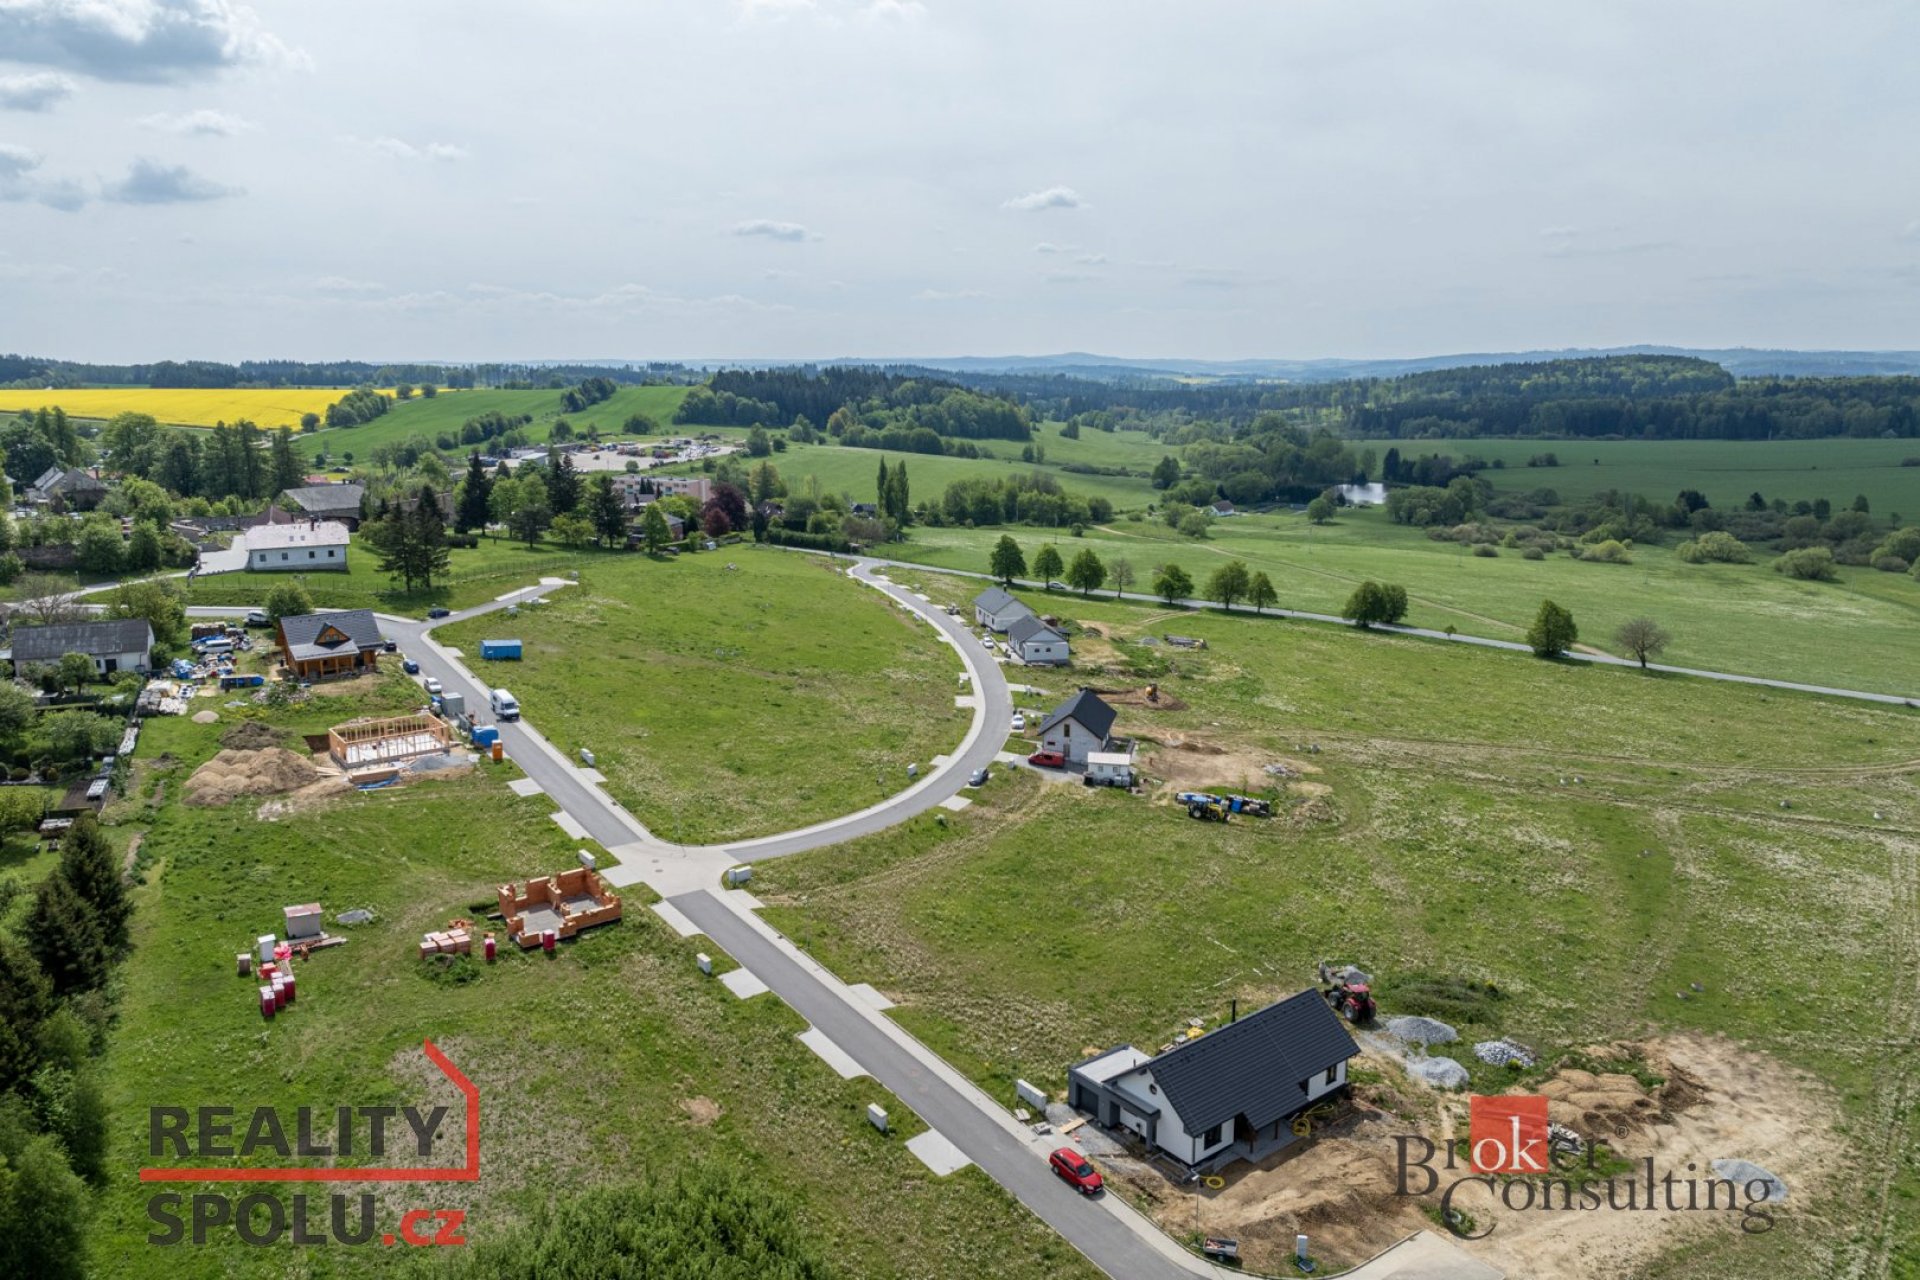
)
(732, 693)
(1566, 855)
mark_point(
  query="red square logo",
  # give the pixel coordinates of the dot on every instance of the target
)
(1507, 1134)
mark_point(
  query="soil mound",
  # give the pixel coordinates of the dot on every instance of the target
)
(232, 774)
(251, 735)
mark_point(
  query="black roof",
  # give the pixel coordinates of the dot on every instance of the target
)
(1257, 1067)
(994, 599)
(95, 639)
(302, 632)
(1086, 707)
(1026, 626)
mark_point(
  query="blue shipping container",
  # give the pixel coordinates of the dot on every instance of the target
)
(486, 736)
(497, 649)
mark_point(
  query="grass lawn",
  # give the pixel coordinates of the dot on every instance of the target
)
(1725, 470)
(449, 411)
(614, 1060)
(495, 567)
(727, 703)
(1441, 833)
(1856, 633)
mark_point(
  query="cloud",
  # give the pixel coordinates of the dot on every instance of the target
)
(790, 232)
(205, 122)
(903, 10)
(1048, 247)
(345, 284)
(140, 40)
(21, 183)
(949, 295)
(1051, 198)
(150, 182)
(401, 149)
(41, 91)
(1092, 259)
(1912, 231)
(752, 9)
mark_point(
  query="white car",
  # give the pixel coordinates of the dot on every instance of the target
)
(431, 685)
(987, 641)
(1019, 721)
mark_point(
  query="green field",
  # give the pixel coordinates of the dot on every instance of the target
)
(1590, 840)
(1740, 618)
(614, 1060)
(427, 419)
(1727, 471)
(723, 703)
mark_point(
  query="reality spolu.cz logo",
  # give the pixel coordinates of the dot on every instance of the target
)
(1514, 1155)
(326, 1133)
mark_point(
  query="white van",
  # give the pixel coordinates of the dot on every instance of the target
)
(504, 707)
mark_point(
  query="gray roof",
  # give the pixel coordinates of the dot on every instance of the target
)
(1027, 627)
(1086, 707)
(322, 499)
(103, 639)
(1256, 1067)
(302, 632)
(993, 600)
(56, 480)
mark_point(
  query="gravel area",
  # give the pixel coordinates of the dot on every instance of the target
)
(1743, 1173)
(1441, 1073)
(1415, 1030)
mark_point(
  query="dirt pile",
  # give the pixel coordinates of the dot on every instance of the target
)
(1161, 701)
(231, 774)
(251, 735)
(1611, 1104)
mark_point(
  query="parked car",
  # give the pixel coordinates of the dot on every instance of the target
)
(258, 618)
(987, 641)
(1047, 759)
(1075, 1170)
(978, 778)
(409, 666)
(1019, 721)
(438, 611)
(390, 646)
(432, 686)
(1056, 586)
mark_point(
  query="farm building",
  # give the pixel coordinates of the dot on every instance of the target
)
(340, 502)
(1228, 1095)
(340, 642)
(1033, 641)
(67, 489)
(996, 610)
(119, 644)
(1078, 727)
(303, 547)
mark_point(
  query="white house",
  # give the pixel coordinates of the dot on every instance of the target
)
(1078, 727)
(1230, 1094)
(1033, 641)
(116, 644)
(304, 547)
(996, 610)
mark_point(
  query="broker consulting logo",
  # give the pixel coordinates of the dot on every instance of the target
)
(200, 1138)
(1515, 1160)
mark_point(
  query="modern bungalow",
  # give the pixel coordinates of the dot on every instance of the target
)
(996, 610)
(1034, 642)
(308, 546)
(1078, 727)
(1230, 1094)
(339, 502)
(117, 644)
(339, 642)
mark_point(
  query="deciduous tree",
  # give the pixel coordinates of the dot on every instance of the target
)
(1643, 638)
(1121, 573)
(1007, 561)
(1086, 573)
(1260, 592)
(1553, 631)
(1171, 583)
(1229, 582)
(1047, 565)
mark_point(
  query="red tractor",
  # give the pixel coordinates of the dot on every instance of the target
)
(1348, 990)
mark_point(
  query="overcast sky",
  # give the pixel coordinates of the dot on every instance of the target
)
(469, 179)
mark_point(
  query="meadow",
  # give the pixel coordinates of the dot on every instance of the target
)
(185, 406)
(448, 412)
(609, 1061)
(1591, 841)
(1854, 633)
(725, 702)
(1727, 471)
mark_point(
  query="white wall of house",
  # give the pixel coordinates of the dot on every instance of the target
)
(998, 621)
(1071, 739)
(297, 559)
(1320, 1085)
(106, 663)
(1170, 1135)
(1049, 652)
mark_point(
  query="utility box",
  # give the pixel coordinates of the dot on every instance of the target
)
(705, 962)
(737, 876)
(587, 860)
(453, 705)
(500, 650)
(303, 921)
(1035, 1098)
(877, 1116)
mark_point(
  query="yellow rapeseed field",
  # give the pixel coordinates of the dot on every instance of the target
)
(186, 407)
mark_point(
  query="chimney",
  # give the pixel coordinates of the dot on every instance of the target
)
(1235, 1015)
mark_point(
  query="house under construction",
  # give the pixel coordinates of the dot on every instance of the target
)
(563, 904)
(370, 744)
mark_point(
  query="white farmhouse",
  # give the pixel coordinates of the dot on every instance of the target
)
(1035, 643)
(304, 547)
(996, 610)
(1078, 727)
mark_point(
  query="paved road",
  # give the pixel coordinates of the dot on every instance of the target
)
(1482, 642)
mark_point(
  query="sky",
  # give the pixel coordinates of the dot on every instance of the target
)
(766, 179)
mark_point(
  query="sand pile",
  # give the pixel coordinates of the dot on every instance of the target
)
(1598, 1106)
(232, 774)
(205, 717)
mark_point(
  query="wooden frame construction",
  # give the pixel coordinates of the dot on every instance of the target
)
(365, 743)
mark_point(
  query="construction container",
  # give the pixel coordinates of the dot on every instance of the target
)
(293, 986)
(267, 1006)
(303, 921)
(243, 964)
(486, 735)
(500, 650)
(453, 705)
(488, 947)
(279, 992)
(241, 682)
(264, 947)
(499, 751)
(547, 941)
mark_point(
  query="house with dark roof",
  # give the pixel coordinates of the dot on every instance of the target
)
(67, 489)
(1230, 1094)
(326, 502)
(996, 609)
(1037, 644)
(338, 642)
(114, 644)
(1081, 725)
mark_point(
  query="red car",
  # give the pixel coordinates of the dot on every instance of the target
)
(1047, 759)
(1073, 1166)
